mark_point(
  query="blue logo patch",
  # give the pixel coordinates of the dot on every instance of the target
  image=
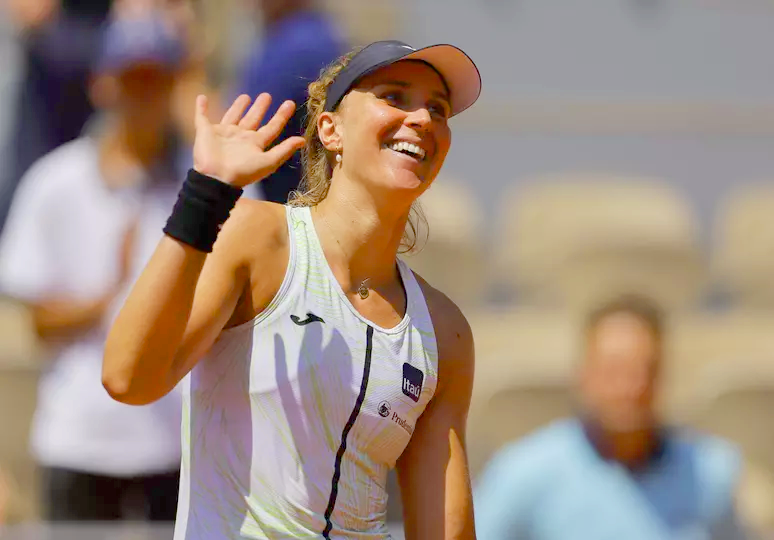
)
(412, 381)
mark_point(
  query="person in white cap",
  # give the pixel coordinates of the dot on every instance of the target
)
(85, 220)
(318, 360)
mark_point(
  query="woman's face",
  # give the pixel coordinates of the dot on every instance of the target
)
(394, 127)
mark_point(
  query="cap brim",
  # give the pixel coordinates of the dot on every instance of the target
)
(458, 70)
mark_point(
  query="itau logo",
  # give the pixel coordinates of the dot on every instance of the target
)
(412, 381)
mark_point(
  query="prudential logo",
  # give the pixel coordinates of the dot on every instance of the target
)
(412, 381)
(384, 409)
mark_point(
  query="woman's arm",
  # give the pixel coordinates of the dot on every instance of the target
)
(184, 297)
(173, 314)
(433, 470)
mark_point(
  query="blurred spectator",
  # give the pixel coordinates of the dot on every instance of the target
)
(87, 216)
(615, 471)
(58, 39)
(298, 42)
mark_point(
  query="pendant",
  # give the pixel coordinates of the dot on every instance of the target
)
(363, 290)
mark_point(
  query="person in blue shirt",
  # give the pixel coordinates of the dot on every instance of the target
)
(614, 472)
(299, 41)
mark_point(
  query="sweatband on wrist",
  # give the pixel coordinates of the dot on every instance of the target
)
(202, 207)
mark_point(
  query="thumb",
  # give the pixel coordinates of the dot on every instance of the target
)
(200, 113)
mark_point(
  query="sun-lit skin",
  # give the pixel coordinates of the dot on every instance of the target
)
(406, 101)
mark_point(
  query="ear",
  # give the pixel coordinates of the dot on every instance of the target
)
(329, 131)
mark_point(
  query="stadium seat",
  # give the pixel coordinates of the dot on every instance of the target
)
(521, 335)
(18, 390)
(525, 360)
(744, 246)
(737, 400)
(575, 239)
(451, 253)
(18, 345)
(513, 409)
(756, 497)
(366, 22)
(738, 397)
(700, 344)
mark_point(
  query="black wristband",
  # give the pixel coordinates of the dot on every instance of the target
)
(202, 207)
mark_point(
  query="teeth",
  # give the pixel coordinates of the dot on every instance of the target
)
(403, 146)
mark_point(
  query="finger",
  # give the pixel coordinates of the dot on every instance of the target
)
(200, 113)
(255, 115)
(274, 127)
(235, 112)
(280, 153)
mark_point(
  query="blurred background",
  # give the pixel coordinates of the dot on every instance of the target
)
(619, 147)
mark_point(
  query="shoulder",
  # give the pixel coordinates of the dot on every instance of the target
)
(717, 461)
(52, 185)
(255, 228)
(453, 334)
(60, 171)
(254, 244)
(456, 351)
(69, 159)
(717, 466)
(545, 447)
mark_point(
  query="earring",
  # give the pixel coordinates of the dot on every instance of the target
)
(338, 158)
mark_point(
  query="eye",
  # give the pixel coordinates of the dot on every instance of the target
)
(438, 108)
(395, 98)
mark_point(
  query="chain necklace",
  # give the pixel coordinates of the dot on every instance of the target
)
(362, 289)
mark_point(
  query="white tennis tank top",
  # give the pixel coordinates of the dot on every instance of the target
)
(292, 421)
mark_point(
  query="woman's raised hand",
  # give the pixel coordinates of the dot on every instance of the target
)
(235, 150)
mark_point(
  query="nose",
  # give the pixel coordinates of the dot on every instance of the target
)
(419, 119)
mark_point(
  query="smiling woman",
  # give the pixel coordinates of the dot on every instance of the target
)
(318, 360)
(391, 85)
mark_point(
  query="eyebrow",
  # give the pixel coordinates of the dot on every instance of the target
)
(404, 84)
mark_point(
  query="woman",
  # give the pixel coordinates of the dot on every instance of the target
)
(318, 360)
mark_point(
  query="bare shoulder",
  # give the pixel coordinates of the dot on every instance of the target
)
(452, 333)
(255, 242)
(254, 229)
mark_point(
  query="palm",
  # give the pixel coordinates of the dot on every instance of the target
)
(234, 150)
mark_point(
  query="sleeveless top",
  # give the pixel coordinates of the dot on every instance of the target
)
(293, 420)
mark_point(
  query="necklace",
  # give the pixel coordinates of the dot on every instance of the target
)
(362, 289)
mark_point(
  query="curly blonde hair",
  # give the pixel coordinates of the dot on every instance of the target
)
(318, 162)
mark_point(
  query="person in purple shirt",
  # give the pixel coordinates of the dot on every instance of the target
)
(299, 41)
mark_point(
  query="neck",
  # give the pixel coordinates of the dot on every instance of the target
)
(360, 236)
(124, 151)
(635, 447)
(630, 448)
